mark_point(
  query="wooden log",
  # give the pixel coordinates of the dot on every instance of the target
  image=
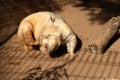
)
(111, 28)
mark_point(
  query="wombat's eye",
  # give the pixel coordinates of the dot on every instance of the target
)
(47, 36)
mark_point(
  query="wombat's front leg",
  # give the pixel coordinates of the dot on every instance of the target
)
(71, 45)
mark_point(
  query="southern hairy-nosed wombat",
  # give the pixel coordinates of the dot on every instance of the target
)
(48, 30)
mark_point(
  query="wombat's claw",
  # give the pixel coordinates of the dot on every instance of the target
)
(53, 59)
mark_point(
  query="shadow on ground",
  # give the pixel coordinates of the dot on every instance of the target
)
(55, 73)
(114, 38)
(62, 50)
(100, 10)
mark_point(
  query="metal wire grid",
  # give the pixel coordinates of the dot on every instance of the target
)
(15, 64)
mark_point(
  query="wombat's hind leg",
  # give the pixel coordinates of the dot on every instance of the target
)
(21, 40)
(29, 38)
(25, 35)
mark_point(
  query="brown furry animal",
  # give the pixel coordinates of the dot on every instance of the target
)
(48, 30)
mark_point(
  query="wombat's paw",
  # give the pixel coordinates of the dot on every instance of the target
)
(28, 48)
(69, 56)
(34, 43)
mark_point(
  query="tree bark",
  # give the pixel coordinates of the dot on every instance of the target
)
(111, 28)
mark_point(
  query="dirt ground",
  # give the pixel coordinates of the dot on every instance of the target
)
(86, 66)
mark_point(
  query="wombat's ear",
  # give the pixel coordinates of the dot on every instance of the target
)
(52, 19)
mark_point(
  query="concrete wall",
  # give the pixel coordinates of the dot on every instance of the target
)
(13, 11)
